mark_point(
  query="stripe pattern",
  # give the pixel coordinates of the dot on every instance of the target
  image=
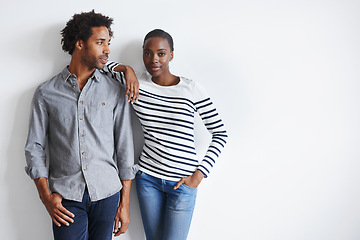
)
(167, 118)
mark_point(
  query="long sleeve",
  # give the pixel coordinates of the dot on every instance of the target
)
(35, 145)
(109, 70)
(214, 125)
(124, 140)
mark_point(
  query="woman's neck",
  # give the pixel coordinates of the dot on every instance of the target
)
(166, 80)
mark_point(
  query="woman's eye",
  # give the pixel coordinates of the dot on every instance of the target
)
(161, 54)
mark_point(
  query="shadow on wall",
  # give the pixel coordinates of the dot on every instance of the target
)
(136, 229)
(131, 55)
(28, 217)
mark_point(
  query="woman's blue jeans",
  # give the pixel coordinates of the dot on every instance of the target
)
(166, 213)
(93, 220)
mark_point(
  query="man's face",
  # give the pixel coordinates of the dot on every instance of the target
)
(96, 51)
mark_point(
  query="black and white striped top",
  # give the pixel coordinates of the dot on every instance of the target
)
(166, 114)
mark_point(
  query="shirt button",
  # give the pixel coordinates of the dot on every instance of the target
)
(81, 118)
(83, 153)
(81, 102)
(82, 135)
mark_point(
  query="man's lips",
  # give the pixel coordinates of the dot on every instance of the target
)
(103, 60)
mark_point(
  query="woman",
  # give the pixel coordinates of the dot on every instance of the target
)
(169, 171)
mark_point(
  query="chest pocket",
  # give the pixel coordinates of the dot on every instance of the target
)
(101, 113)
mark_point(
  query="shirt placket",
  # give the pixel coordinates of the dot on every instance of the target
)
(82, 145)
(81, 103)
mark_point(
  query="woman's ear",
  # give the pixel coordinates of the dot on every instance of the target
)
(171, 56)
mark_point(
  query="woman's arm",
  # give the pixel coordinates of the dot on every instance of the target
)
(214, 124)
(191, 181)
(212, 121)
(132, 83)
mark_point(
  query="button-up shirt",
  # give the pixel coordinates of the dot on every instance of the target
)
(88, 134)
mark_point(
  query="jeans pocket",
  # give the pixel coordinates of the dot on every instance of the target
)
(188, 187)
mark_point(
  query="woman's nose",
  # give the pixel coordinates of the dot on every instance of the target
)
(155, 59)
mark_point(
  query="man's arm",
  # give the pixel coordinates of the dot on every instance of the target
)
(36, 161)
(124, 147)
(122, 214)
(52, 202)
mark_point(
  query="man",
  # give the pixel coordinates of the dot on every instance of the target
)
(84, 117)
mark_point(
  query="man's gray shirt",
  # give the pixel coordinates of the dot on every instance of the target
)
(88, 134)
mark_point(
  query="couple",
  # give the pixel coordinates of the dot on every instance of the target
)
(83, 116)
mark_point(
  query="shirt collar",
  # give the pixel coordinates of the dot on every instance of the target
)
(66, 74)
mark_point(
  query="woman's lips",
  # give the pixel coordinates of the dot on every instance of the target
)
(154, 68)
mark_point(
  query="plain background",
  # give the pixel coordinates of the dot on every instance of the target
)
(284, 75)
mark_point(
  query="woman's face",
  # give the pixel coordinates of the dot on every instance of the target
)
(157, 55)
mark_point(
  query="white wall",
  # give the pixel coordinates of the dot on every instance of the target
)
(283, 74)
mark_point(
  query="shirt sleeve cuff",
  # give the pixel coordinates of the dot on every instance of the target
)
(35, 173)
(203, 170)
(128, 173)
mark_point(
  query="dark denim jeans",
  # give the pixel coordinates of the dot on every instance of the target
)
(93, 220)
(166, 213)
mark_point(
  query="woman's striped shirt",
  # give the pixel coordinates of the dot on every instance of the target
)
(166, 114)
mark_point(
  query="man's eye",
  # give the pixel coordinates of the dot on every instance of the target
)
(146, 54)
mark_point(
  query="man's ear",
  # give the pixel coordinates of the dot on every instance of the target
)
(79, 44)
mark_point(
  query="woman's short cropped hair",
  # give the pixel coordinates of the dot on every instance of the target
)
(160, 33)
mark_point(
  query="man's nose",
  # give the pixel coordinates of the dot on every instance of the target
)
(107, 49)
